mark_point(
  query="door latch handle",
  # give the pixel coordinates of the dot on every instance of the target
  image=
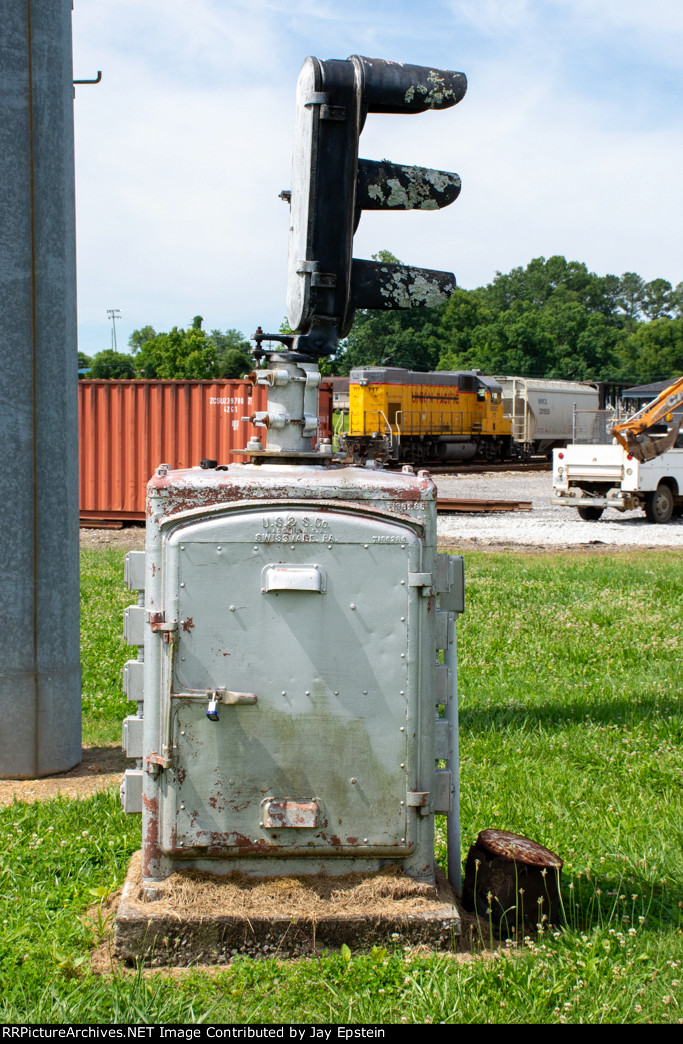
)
(224, 696)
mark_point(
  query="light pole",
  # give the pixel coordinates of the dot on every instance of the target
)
(114, 314)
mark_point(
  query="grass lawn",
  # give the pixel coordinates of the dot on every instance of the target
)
(571, 733)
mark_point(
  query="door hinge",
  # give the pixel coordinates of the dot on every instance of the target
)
(158, 624)
(423, 580)
(155, 762)
(419, 799)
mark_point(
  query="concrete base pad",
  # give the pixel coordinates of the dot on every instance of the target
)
(200, 918)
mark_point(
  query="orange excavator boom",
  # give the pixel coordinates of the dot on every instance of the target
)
(632, 433)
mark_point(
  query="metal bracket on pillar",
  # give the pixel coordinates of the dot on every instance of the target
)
(97, 79)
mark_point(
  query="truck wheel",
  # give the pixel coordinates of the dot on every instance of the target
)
(590, 514)
(659, 506)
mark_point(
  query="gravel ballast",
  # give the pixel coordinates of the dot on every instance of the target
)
(546, 525)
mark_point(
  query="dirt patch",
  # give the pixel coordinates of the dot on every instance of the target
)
(101, 767)
(130, 538)
(592, 547)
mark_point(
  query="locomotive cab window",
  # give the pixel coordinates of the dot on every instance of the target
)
(481, 393)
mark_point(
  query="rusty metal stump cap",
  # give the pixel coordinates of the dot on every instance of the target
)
(519, 849)
(507, 882)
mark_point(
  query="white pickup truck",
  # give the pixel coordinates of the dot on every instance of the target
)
(592, 478)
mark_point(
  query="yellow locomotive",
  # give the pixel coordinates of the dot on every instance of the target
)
(402, 415)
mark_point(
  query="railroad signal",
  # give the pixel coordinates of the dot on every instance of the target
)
(331, 187)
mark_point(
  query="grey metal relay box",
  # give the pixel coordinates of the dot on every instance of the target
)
(293, 715)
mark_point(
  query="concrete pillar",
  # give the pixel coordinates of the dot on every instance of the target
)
(40, 689)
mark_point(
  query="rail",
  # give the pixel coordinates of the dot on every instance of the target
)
(445, 504)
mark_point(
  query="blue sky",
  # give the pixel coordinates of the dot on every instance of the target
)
(568, 141)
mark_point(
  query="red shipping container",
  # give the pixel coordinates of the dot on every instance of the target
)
(128, 428)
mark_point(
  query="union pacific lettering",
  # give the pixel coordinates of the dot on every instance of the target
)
(436, 398)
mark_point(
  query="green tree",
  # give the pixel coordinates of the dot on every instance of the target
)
(539, 281)
(656, 299)
(113, 366)
(402, 338)
(181, 354)
(386, 257)
(603, 296)
(233, 353)
(631, 287)
(229, 339)
(677, 300)
(139, 337)
(597, 349)
(233, 364)
(84, 361)
(512, 341)
(653, 352)
(190, 354)
(553, 318)
(462, 315)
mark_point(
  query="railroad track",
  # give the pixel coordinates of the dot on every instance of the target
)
(446, 504)
(480, 469)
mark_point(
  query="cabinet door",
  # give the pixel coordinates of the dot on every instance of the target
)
(300, 623)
